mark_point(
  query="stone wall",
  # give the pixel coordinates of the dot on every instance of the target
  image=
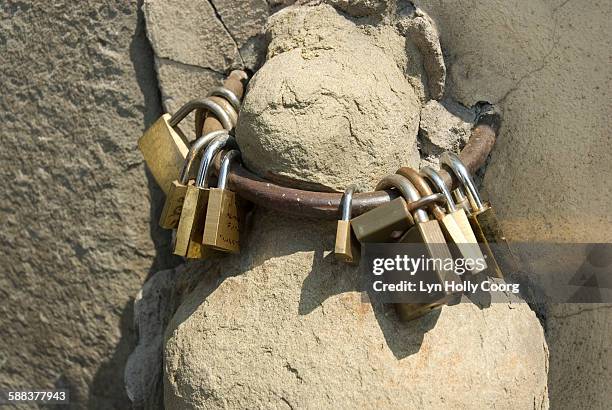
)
(78, 235)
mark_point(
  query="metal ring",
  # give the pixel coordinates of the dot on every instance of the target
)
(228, 95)
(194, 150)
(435, 178)
(452, 161)
(217, 144)
(206, 104)
(409, 192)
(228, 157)
(347, 202)
(326, 205)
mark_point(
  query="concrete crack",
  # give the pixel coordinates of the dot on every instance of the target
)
(582, 311)
(542, 66)
(229, 33)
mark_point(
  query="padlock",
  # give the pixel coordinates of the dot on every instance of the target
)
(451, 229)
(468, 248)
(175, 197)
(378, 224)
(163, 145)
(347, 247)
(222, 223)
(483, 221)
(190, 229)
(383, 222)
(428, 233)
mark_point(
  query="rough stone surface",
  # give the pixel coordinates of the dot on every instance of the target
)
(143, 369)
(443, 129)
(546, 175)
(328, 108)
(284, 325)
(78, 88)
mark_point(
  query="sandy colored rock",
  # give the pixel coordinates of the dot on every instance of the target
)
(285, 326)
(444, 129)
(547, 173)
(322, 115)
(191, 33)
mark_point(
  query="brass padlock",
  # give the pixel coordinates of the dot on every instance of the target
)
(451, 229)
(378, 224)
(188, 241)
(468, 248)
(163, 145)
(483, 221)
(428, 233)
(175, 196)
(347, 248)
(222, 223)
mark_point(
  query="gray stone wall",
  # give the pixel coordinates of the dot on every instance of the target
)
(77, 211)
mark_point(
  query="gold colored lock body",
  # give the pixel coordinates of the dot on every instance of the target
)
(429, 233)
(191, 225)
(171, 212)
(190, 229)
(482, 219)
(164, 150)
(500, 257)
(175, 196)
(224, 213)
(378, 224)
(347, 247)
(222, 224)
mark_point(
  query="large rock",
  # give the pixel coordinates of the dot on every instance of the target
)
(284, 325)
(77, 241)
(329, 107)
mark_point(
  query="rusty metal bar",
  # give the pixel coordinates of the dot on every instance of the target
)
(326, 205)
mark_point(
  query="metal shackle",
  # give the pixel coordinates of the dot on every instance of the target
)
(204, 104)
(408, 191)
(216, 145)
(228, 157)
(194, 150)
(228, 94)
(436, 179)
(452, 161)
(346, 203)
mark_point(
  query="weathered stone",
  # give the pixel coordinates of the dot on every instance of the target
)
(284, 325)
(442, 129)
(77, 241)
(546, 173)
(143, 370)
(191, 33)
(321, 114)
